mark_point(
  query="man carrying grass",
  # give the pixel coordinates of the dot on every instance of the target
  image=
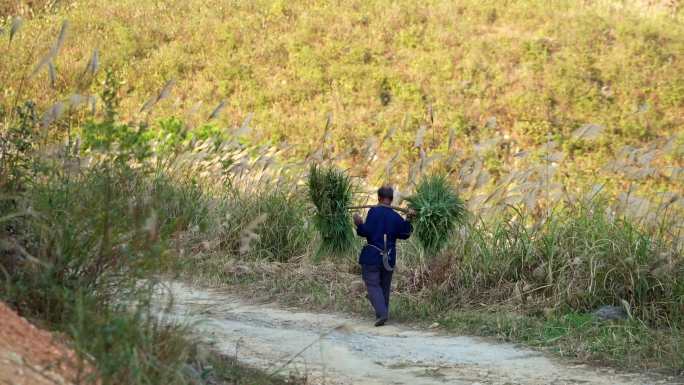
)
(382, 228)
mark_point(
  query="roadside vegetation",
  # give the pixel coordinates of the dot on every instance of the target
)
(131, 149)
(92, 211)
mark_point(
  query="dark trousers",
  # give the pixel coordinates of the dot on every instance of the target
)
(378, 283)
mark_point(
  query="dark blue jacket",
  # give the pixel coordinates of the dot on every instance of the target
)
(382, 220)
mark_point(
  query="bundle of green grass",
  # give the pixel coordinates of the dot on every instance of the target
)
(438, 210)
(331, 192)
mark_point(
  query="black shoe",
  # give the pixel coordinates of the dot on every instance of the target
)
(380, 321)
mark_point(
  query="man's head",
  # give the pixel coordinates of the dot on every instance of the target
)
(385, 195)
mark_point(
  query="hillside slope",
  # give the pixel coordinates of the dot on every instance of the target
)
(485, 79)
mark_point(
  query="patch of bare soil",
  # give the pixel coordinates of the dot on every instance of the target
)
(31, 356)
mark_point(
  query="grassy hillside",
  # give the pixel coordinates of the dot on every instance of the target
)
(508, 76)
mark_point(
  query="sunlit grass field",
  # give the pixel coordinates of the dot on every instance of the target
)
(487, 77)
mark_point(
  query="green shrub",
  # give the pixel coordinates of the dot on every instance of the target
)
(281, 235)
(180, 205)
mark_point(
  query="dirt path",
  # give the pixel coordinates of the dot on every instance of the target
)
(344, 350)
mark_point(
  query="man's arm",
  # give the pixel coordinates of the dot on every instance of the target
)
(360, 226)
(405, 228)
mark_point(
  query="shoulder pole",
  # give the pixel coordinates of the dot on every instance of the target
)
(403, 210)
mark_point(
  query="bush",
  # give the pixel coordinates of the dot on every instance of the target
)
(282, 234)
(90, 240)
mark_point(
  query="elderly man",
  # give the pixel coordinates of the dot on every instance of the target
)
(382, 228)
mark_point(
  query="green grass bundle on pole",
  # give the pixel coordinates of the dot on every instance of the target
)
(331, 192)
(438, 210)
